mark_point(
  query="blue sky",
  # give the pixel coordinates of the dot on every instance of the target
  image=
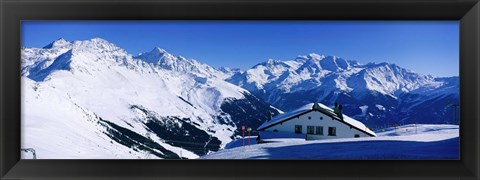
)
(428, 47)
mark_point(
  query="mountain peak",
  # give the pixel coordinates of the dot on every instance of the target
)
(156, 56)
(95, 45)
(162, 58)
(272, 62)
(314, 56)
(158, 50)
(97, 39)
(57, 43)
(156, 53)
(99, 42)
(382, 64)
(61, 39)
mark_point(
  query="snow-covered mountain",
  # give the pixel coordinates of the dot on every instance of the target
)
(165, 60)
(378, 94)
(228, 72)
(92, 99)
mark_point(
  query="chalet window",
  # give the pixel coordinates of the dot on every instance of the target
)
(356, 136)
(298, 129)
(321, 118)
(310, 129)
(309, 117)
(319, 130)
(332, 131)
(275, 130)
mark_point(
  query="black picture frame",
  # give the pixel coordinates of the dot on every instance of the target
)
(14, 11)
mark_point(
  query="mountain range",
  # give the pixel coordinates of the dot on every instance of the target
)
(378, 94)
(92, 99)
(94, 94)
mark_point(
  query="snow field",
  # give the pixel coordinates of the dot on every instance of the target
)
(427, 142)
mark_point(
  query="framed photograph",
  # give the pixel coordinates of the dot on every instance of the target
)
(240, 89)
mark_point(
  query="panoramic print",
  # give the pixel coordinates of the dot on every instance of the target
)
(336, 90)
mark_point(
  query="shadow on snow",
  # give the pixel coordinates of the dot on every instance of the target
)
(372, 150)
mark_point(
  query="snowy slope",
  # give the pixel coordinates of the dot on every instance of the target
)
(91, 99)
(370, 92)
(160, 105)
(405, 142)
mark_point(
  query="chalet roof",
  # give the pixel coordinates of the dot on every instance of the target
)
(315, 107)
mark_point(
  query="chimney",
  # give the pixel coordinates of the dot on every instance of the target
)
(316, 106)
(340, 112)
(335, 108)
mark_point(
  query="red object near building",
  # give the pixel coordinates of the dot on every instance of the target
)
(243, 135)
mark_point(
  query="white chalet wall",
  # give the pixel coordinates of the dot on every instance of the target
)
(342, 130)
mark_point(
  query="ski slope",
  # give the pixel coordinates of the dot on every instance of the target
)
(407, 142)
